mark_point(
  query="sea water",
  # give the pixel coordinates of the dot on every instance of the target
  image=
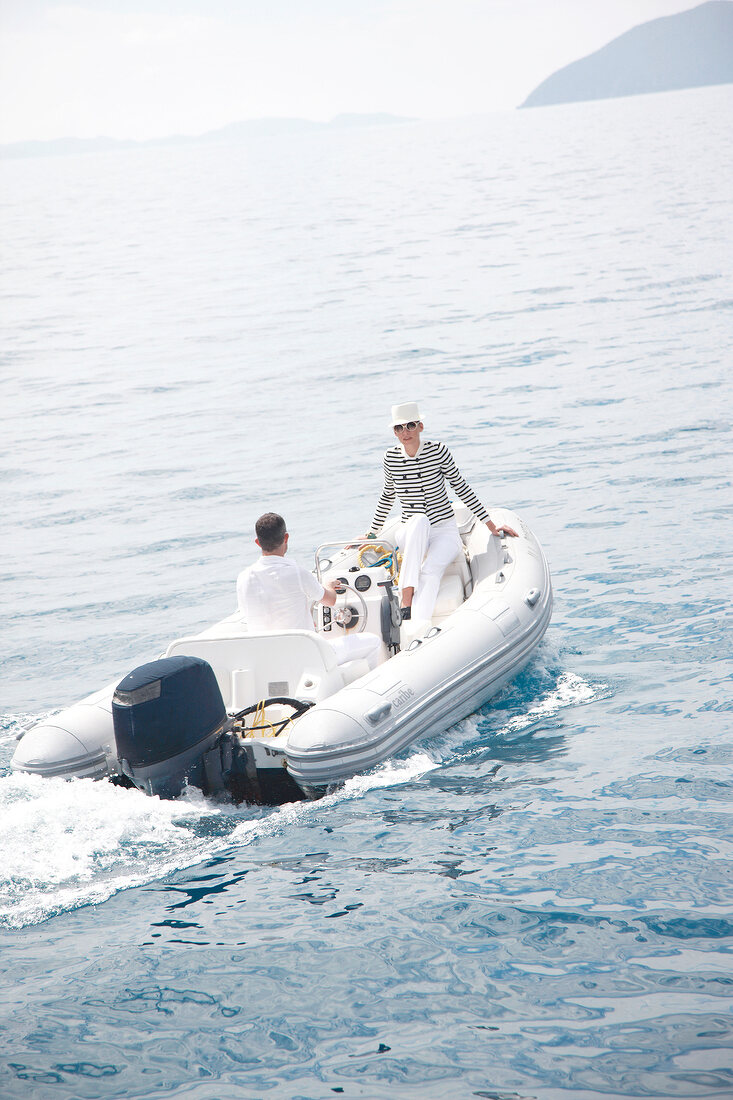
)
(535, 904)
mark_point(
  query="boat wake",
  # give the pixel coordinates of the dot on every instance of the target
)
(571, 691)
(509, 717)
(70, 843)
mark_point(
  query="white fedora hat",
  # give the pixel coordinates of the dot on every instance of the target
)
(402, 414)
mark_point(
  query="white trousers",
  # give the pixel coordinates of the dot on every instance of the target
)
(427, 551)
(353, 647)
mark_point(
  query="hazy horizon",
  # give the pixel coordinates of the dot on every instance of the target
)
(155, 68)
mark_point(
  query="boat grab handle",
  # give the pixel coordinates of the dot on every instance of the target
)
(378, 713)
(345, 544)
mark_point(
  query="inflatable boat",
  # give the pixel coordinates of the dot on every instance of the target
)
(270, 717)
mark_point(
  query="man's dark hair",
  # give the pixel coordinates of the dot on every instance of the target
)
(271, 531)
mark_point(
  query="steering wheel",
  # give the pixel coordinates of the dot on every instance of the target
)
(343, 612)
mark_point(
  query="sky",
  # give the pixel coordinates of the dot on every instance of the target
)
(140, 69)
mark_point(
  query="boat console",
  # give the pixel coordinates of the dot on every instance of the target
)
(367, 570)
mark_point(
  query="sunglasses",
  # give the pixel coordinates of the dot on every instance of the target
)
(409, 426)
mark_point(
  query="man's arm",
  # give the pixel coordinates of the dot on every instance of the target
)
(317, 592)
(331, 590)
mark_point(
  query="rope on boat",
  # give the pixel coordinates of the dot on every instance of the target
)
(389, 558)
(260, 724)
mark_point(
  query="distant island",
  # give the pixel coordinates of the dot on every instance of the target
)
(235, 131)
(689, 50)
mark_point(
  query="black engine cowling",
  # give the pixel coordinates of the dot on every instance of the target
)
(166, 715)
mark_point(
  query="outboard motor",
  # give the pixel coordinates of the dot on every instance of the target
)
(166, 715)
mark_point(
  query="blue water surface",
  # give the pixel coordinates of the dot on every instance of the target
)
(535, 905)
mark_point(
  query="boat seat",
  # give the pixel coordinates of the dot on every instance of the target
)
(352, 670)
(459, 568)
(298, 664)
(450, 596)
(234, 626)
(465, 519)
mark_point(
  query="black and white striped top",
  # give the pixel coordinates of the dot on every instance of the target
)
(419, 485)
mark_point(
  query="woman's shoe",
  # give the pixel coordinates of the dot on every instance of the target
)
(406, 613)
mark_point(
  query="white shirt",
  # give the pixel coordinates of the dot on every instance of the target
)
(276, 594)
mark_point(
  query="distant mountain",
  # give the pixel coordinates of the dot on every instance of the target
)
(252, 127)
(688, 50)
(62, 146)
(235, 131)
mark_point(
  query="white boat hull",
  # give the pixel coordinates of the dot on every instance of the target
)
(447, 675)
(495, 609)
(79, 742)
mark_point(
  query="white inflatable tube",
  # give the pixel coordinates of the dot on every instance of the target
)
(443, 677)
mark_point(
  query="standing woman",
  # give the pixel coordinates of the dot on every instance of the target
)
(415, 472)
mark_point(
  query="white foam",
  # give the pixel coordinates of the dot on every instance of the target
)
(66, 843)
(571, 690)
(13, 726)
(392, 773)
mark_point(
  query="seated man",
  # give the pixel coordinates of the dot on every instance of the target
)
(275, 594)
